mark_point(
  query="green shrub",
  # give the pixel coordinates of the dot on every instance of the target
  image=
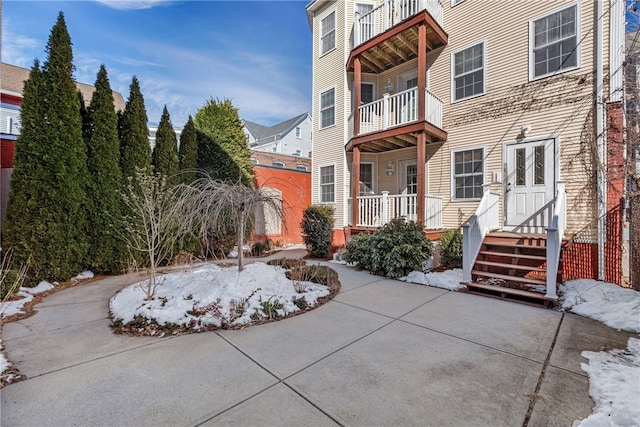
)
(451, 249)
(393, 251)
(358, 252)
(287, 263)
(317, 230)
(320, 274)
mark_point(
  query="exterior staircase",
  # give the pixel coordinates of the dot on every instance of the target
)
(512, 266)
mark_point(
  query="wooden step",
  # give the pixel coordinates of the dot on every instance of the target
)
(506, 277)
(510, 255)
(511, 266)
(514, 246)
(509, 294)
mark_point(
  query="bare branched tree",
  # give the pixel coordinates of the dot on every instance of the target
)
(214, 206)
(152, 226)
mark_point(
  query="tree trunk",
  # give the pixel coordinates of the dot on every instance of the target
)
(241, 243)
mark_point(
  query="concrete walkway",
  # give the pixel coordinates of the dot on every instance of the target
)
(383, 352)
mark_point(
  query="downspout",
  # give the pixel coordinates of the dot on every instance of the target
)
(600, 140)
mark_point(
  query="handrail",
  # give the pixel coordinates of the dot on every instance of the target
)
(555, 234)
(396, 110)
(389, 13)
(377, 210)
(486, 218)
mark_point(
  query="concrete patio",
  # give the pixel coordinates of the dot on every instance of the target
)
(383, 352)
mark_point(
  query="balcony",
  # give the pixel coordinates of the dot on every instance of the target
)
(388, 35)
(377, 210)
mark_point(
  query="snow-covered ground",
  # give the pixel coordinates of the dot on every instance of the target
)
(209, 295)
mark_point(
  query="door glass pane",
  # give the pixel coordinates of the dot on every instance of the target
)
(521, 167)
(366, 179)
(412, 179)
(538, 162)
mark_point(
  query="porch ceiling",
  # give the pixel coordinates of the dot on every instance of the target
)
(397, 45)
(396, 138)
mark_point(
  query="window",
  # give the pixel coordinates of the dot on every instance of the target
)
(277, 165)
(327, 184)
(468, 72)
(468, 174)
(328, 33)
(298, 132)
(327, 108)
(254, 161)
(455, 2)
(366, 20)
(554, 42)
(366, 93)
(366, 179)
(301, 168)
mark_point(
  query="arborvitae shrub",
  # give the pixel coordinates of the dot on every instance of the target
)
(317, 230)
(451, 249)
(393, 251)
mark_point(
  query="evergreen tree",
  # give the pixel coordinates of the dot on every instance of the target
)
(134, 133)
(106, 251)
(188, 153)
(165, 153)
(53, 163)
(222, 146)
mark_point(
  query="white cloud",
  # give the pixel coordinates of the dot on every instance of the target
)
(134, 4)
(17, 49)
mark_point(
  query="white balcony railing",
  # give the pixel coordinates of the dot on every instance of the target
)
(396, 110)
(389, 13)
(377, 210)
(555, 233)
(484, 220)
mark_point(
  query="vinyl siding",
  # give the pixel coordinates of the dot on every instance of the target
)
(561, 105)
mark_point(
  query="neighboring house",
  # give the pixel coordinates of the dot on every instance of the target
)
(288, 178)
(12, 80)
(491, 115)
(153, 128)
(291, 137)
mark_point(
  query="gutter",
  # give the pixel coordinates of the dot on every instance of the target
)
(600, 141)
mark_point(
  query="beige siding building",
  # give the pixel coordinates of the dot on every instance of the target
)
(454, 112)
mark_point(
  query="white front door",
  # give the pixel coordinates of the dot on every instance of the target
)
(408, 189)
(529, 185)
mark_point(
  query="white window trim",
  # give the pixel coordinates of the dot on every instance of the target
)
(335, 174)
(255, 161)
(373, 178)
(335, 33)
(456, 2)
(484, 71)
(532, 75)
(302, 168)
(273, 164)
(453, 169)
(335, 110)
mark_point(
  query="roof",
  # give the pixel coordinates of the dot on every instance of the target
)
(264, 132)
(13, 78)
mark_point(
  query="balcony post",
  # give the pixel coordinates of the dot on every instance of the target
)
(385, 14)
(357, 83)
(355, 187)
(422, 72)
(421, 163)
(385, 208)
(385, 111)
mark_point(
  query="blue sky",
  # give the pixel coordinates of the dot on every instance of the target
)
(258, 54)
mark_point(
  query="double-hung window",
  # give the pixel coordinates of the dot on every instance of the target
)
(554, 42)
(327, 184)
(298, 132)
(328, 33)
(468, 72)
(327, 108)
(468, 173)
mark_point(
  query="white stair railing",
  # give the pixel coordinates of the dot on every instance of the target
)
(484, 220)
(555, 234)
(389, 13)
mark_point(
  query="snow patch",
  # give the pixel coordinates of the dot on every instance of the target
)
(448, 279)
